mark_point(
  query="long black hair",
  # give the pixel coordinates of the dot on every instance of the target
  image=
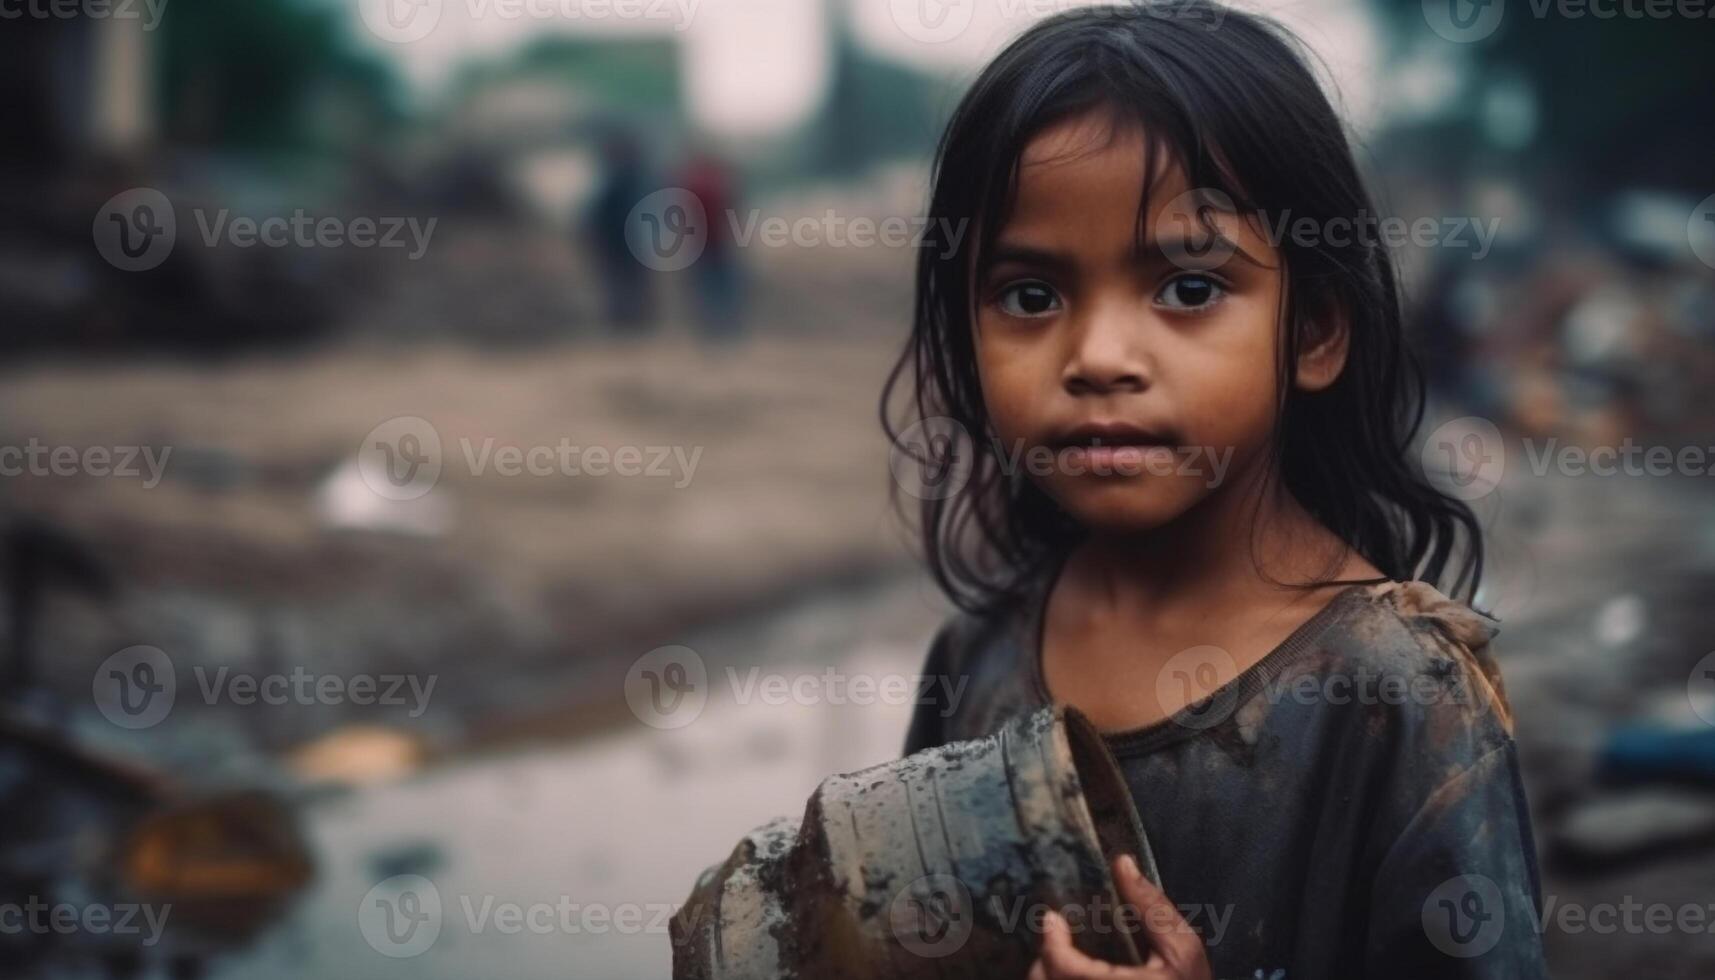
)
(1231, 97)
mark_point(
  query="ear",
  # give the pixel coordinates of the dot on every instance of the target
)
(1322, 354)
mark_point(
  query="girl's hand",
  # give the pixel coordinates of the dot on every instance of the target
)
(1175, 950)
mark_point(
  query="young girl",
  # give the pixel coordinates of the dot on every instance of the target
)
(1191, 510)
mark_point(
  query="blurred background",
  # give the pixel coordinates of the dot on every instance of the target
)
(423, 422)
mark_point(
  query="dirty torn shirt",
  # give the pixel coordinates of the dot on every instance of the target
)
(1348, 807)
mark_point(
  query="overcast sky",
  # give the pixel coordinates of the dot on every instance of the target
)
(756, 66)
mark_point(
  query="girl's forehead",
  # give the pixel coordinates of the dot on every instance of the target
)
(1097, 153)
(1081, 191)
(1080, 136)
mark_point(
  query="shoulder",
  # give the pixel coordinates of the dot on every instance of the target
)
(1418, 669)
(988, 651)
(1411, 628)
(1447, 790)
(980, 675)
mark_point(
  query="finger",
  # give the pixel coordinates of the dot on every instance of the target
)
(1038, 971)
(1063, 960)
(1168, 932)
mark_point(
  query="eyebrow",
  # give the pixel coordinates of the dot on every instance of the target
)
(1012, 253)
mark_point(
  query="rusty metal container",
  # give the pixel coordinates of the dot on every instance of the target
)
(937, 865)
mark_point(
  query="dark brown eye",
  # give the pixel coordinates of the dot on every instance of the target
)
(1190, 292)
(1029, 299)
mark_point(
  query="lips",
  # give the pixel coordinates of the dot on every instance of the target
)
(1111, 434)
(1114, 449)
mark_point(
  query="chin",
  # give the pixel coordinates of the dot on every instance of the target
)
(1126, 506)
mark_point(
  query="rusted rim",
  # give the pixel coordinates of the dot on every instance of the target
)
(1119, 829)
(1103, 811)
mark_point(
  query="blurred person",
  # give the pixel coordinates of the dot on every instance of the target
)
(716, 277)
(627, 283)
(1196, 497)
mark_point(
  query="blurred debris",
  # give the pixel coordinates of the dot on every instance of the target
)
(38, 555)
(358, 755)
(411, 858)
(227, 865)
(1645, 753)
(91, 830)
(345, 500)
(211, 468)
(1620, 620)
(1612, 831)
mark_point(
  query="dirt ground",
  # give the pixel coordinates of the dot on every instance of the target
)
(777, 481)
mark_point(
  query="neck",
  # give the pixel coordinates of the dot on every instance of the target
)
(1248, 541)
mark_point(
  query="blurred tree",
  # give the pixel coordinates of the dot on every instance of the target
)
(635, 78)
(1618, 101)
(876, 109)
(264, 74)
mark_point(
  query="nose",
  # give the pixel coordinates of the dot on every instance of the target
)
(1106, 355)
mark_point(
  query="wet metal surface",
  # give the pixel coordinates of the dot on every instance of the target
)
(908, 869)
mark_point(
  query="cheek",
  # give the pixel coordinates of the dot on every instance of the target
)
(1013, 376)
(1229, 390)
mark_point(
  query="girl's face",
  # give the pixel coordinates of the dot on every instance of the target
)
(1128, 386)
